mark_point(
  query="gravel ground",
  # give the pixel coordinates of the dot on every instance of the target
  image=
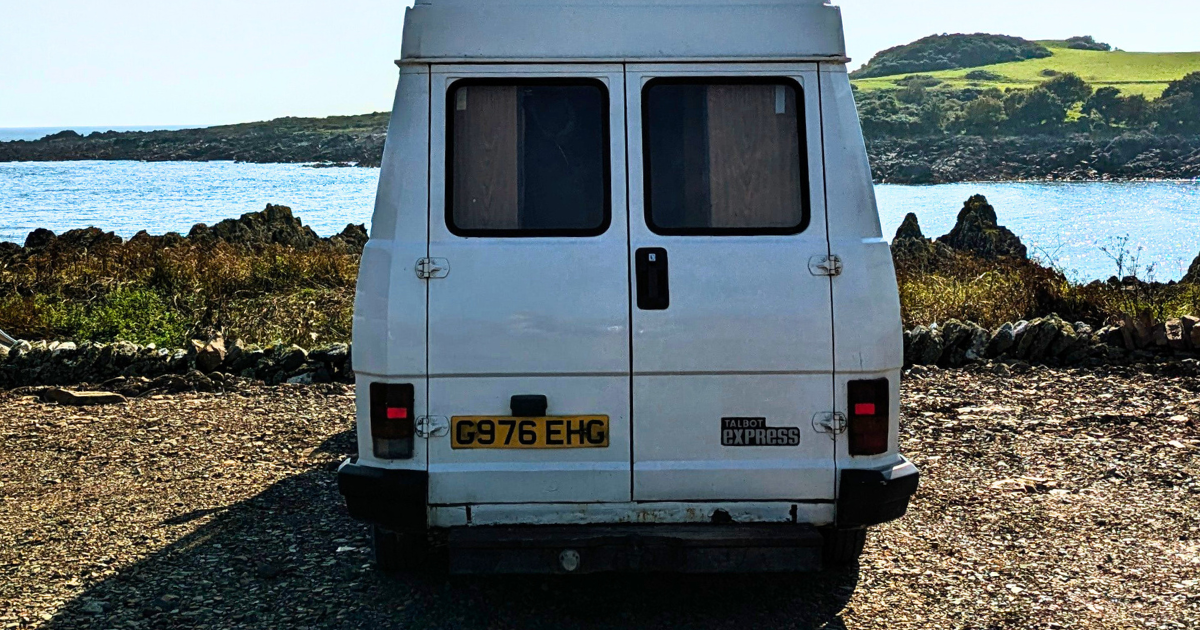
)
(1052, 499)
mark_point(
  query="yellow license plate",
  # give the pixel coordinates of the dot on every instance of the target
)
(529, 433)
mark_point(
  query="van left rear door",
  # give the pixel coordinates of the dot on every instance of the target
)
(528, 223)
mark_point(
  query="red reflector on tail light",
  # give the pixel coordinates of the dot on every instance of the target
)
(868, 425)
(397, 413)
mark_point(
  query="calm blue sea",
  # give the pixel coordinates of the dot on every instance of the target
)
(8, 134)
(1068, 224)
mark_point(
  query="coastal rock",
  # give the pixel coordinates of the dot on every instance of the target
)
(90, 239)
(1002, 341)
(170, 239)
(1173, 331)
(291, 357)
(925, 346)
(83, 399)
(273, 225)
(334, 355)
(39, 239)
(9, 251)
(233, 352)
(1193, 273)
(910, 228)
(353, 238)
(211, 355)
(301, 379)
(910, 248)
(939, 160)
(334, 140)
(977, 349)
(977, 232)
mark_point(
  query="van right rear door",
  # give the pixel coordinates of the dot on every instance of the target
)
(732, 331)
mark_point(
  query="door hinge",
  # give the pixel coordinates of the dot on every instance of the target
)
(432, 426)
(831, 422)
(825, 265)
(432, 268)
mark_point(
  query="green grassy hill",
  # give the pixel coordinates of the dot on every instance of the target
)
(1130, 72)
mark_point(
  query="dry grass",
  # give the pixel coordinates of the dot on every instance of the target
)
(145, 292)
(148, 292)
(991, 293)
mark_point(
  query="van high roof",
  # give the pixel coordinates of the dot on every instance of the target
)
(622, 30)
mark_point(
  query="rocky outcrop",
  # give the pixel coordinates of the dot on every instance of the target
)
(947, 159)
(911, 249)
(977, 232)
(275, 225)
(1053, 341)
(353, 238)
(134, 370)
(334, 140)
(1193, 272)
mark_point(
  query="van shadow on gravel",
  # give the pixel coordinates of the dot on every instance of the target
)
(291, 557)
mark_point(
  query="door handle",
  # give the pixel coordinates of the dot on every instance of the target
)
(653, 281)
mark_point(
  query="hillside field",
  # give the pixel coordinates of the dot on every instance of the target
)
(1130, 72)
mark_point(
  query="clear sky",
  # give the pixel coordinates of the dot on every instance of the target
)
(143, 62)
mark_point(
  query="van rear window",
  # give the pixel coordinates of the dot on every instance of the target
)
(527, 158)
(725, 156)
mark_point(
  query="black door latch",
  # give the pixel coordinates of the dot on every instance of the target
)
(653, 284)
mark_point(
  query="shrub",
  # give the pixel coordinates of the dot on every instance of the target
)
(983, 75)
(1105, 102)
(1036, 109)
(1087, 42)
(919, 80)
(983, 115)
(947, 52)
(1069, 88)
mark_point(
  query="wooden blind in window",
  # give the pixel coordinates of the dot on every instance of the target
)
(485, 158)
(754, 156)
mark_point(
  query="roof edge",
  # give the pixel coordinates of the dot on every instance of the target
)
(585, 32)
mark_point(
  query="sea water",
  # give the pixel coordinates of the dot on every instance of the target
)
(1068, 225)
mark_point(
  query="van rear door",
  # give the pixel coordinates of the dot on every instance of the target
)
(528, 226)
(732, 332)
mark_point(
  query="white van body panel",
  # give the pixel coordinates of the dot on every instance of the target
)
(538, 315)
(389, 304)
(866, 305)
(622, 30)
(748, 334)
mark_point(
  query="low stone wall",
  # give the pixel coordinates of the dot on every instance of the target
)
(135, 370)
(1054, 342)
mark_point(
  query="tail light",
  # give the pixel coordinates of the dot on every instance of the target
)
(392, 424)
(868, 417)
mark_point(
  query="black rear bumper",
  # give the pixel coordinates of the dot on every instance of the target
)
(393, 499)
(397, 499)
(874, 496)
(658, 548)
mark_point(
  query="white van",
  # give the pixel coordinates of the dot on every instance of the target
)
(626, 303)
